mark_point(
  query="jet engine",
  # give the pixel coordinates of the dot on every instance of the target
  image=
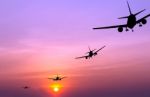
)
(95, 54)
(86, 57)
(120, 29)
(144, 21)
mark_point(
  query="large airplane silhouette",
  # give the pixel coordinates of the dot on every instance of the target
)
(91, 53)
(131, 21)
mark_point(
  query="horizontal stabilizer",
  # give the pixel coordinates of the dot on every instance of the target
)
(123, 17)
(108, 27)
(139, 12)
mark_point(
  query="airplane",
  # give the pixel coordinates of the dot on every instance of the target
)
(91, 53)
(26, 87)
(131, 21)
(57, 78)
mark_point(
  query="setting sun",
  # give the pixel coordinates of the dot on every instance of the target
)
(56, 87)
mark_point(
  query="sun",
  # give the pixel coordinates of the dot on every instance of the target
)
(55, 89)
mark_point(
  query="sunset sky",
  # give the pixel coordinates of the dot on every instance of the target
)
(41, 38)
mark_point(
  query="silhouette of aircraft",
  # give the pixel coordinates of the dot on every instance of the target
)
(26, 87)
(91, 53)
(57, 78)
(131, 21)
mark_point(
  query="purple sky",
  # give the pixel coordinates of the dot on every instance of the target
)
(39, 38)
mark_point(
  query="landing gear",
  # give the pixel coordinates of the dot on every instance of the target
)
(140, 25)
(127, 29)
(132, 30)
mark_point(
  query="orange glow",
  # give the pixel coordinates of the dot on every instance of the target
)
(56, 87)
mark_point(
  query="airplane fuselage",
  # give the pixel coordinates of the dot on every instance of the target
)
(91, 54)
(57, 78)
(131, 21)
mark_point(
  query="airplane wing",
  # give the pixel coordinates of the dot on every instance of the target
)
(64, 77)
(50, 78)
(100, 49)
(81, 57)
(142, 18)
(108, 27)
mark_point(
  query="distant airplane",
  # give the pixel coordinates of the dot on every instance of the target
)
(91, 53)
(26, 87)
(57, 78)
(131, 21)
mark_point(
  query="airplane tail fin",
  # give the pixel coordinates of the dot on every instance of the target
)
(89, 48)
(129, 11)
(139, 12)
(129, 8)
(123, 17)
(56, 75)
